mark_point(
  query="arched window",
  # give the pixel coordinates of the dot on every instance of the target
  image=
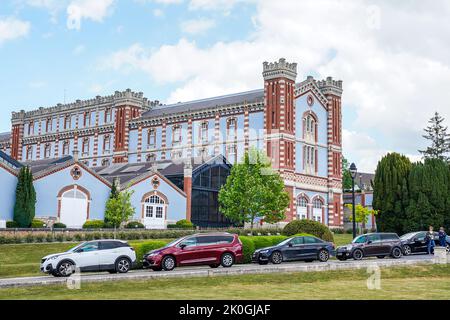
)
(154, 208)
(66, 148)
(47, 150)
(151, 157)
(310, 128)
(317, 209)
(302, 208)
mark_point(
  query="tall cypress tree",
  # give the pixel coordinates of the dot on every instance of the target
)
(24, 208)
(436, 132)
(391, 192)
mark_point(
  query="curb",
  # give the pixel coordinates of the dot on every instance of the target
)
(253, 269)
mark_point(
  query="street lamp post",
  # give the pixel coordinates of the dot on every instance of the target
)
(353, 172)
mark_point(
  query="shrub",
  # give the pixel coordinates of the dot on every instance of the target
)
(59, 237)
(40, 238)
(248, 247)
(12, 224)
(97, 235)
(29, 238)
(37, 224)
(184, 224)
(134, 225)
(88, 236)
(49, 237)
(59, 225)
(78, 237)
(93, 224)
(144, 247)
(308, 226)
(337, 231)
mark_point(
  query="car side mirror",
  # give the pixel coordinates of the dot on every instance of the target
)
(290, 244)
(369, 241)
(182, 246)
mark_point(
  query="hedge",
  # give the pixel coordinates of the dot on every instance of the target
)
(250, 244)
(144, 247)
(37, 224)
(59, 225)
(181, 224)
(134, 225)
(308, 226)
(12, 224)
(94, 224)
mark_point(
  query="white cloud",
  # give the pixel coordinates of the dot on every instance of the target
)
(12, 28)
(158, 13)
(78, 50)
(95, 10)
(394, 59)
(197, 26)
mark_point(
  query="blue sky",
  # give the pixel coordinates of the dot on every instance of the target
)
(175, 50)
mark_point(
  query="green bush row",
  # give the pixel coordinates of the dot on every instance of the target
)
(143, 248)
(308, 226)
(250, 244)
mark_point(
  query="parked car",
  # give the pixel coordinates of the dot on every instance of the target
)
(377, 245)
(213, 249)
(414, 242)
(306, 248)
(98, 255)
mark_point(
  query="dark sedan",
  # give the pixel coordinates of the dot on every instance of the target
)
(306, 248)
(414, 242)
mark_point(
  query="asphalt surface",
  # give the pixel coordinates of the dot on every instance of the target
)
(201, 271)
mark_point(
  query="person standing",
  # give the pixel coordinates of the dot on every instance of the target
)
(429, 238)
(442, 237)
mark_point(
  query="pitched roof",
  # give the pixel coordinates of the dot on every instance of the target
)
(365, 181)
(5, 136)
(38, 166)
(231, 99)
(10, 162)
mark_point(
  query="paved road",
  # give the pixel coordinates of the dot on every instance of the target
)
(208, 272)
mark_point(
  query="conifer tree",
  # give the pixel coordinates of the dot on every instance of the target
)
(24, 208)
(436, 132)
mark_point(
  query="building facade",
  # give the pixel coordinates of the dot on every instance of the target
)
(298, 125)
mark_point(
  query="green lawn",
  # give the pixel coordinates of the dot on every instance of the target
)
(17, 260)
(420, 282)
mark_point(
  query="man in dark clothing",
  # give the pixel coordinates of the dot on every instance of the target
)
(442, 237)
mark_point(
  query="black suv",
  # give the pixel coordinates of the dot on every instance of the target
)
(377, 245)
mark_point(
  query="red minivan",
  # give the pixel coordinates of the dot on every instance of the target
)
(213, 249)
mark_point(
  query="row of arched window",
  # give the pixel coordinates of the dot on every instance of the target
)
(316, 212)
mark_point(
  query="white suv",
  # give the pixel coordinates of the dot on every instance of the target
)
(98, 255)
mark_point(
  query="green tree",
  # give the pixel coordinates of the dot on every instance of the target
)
(114, 190)
(24, 208)
(253, 190)
(346, 175)
(436, 132)
(429, 195)
(119, 209)
(362, 213)
(391, 192)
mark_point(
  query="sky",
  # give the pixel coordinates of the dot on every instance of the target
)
(393, 57)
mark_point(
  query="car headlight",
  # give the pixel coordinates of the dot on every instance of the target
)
(53, 258)
(264, 251)
(152, 254)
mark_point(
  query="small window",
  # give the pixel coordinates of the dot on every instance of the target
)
(206, 240)
(224, 239)
(189, 242)
(389, 236)
(310, 240)
(151, 138)
(374, 238)
(90, 246)
(297, 241)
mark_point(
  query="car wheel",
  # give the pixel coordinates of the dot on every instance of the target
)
(65, 269)
(263, 263)
(323, 255)
(55, 274)
(341, 258)
(168, 263)
(123, 265)
(381, 257)
(358, 254)
(276, 257)
(396, 253)
(214, 266)
(407, 250)
(227, 260)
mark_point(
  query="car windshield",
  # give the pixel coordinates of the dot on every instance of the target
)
(407, 236)
(76, 247)
(360, 239)
(171, 243)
